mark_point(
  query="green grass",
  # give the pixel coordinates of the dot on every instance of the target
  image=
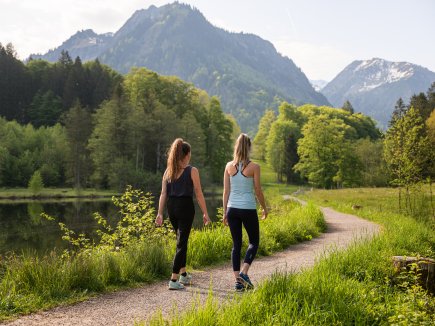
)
(268, 176)
(29, 283)
(12, 193)
(373, 201)
(357, 286)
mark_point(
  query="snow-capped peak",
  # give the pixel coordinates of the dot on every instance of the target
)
(377, 72)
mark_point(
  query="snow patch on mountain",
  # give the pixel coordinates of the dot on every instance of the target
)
(378, 72)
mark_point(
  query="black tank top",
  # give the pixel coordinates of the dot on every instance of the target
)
(183, 186)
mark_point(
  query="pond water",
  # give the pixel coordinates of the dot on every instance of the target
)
(22, 228)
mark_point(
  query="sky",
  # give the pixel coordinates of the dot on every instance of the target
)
(321, 36)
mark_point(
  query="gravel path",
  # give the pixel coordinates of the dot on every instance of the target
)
(125, 307)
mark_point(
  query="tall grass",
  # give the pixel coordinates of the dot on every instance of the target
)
(29, 283)
(353, 287)
(288, 223)
(374, 201)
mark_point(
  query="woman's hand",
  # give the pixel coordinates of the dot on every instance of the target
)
(225, 220)
(264, 215)
(159, 220)
(206, 219)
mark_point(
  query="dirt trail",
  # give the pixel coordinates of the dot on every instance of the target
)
(125, 307)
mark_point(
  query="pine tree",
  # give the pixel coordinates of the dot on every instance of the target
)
(405, 151)
(399, 110)
(35, 183)
(347, 106)
(78, 125)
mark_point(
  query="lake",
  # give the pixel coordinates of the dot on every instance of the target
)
(22, 228)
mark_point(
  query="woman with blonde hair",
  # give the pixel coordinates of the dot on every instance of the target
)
(179, 182)
(241, 186)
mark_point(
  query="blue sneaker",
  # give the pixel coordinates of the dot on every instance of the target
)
(238, 286)
(246, 281)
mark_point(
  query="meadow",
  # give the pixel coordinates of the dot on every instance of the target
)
(19, 193)
(29, 283)
(358, 286)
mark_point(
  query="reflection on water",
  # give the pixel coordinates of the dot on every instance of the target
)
(22, 228)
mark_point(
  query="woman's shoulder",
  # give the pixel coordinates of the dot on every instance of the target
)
(254, 165)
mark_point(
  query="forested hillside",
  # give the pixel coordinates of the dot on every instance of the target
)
(86, 125)
(243, 70)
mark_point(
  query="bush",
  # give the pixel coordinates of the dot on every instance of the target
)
(36, 184)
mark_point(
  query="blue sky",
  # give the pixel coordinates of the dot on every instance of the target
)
(320, 36)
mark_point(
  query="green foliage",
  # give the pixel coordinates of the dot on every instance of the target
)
(78, 127)
(36, 183)
(259, 144)
(326, 156)
(347, 106)
(45, 109)
(405, 149)
(325, 153)
(15, 85)
(26, 150)
(354, 287)
(136, 225)
(39, 92)
(281, 148)
(134, 251)
(370, 154)
(218, 139)
(126, 139)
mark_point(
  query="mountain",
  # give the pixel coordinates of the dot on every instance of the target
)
(374, 86)
(85, 44)
(245, 71)
(318, 84)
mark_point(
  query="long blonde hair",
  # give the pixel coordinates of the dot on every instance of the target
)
(177, 152)
(242, 149)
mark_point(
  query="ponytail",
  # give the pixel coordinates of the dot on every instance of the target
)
(242, 149)
(177, 152)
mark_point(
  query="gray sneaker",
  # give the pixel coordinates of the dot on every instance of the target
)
(175, 285)
(185, 280)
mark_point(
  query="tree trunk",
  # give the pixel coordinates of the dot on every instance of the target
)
(426, 270)
(137, 157)
(431, 199)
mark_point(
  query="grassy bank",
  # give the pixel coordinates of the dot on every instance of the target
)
(353, 287)
(28, 283)
(20, 193)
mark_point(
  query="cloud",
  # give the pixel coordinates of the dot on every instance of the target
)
(316, 61)
(37, 26)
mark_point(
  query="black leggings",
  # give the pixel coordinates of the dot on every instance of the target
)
(249, 218)
(181, 212)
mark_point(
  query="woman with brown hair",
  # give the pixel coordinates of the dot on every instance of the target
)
(179, 182)
(241, 186)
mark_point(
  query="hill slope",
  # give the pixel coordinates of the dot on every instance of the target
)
(245, 71)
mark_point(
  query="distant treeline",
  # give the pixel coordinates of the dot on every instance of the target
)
(86, 125)
(333, 148)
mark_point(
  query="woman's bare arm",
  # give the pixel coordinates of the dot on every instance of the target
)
(226, 195)
(162, 202)
(258, 191)
(199, 195)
